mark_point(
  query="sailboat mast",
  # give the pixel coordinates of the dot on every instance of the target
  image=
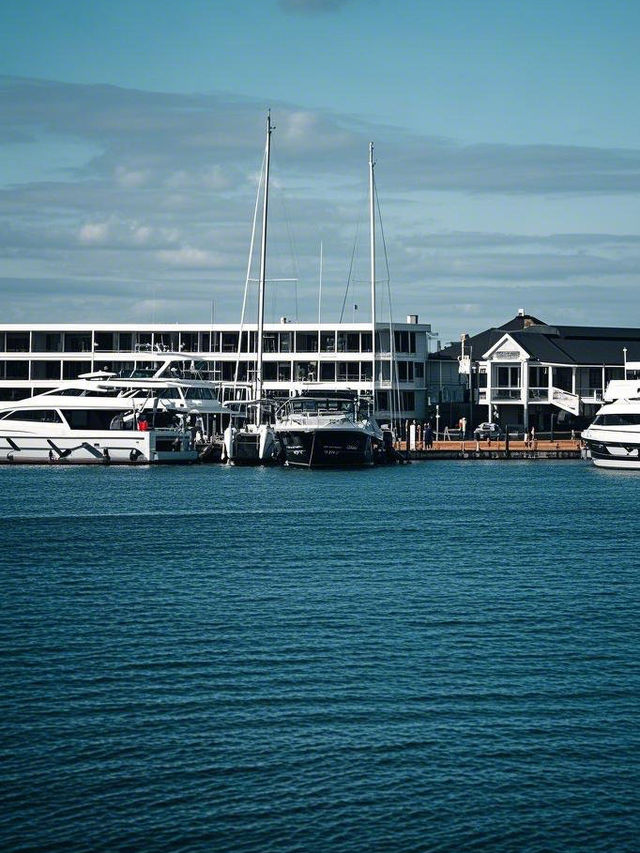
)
(372, 241)
(263, 273)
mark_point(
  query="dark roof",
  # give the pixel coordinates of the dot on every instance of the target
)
(556, 344)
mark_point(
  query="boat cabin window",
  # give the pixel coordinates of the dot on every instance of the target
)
(47, 416)
(90, 418)
(199, 393)
(66, 392)
(168, 393)
(621, 419)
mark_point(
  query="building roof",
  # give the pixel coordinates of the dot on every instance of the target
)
(570, 345)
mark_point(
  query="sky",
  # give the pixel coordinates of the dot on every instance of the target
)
(507, 150)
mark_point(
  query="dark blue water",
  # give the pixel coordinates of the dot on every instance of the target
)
(443, 656)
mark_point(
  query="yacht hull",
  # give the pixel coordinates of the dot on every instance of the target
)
(95, 448)
(332, 448)
(614, 455)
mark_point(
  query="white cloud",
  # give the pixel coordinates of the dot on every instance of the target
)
(94, 232)
(169, 190)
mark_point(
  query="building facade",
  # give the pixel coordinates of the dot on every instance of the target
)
(34, 358)
(527, 373)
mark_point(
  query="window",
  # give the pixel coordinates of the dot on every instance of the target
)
(622, 419)
(348, 371)
(270, 342)
(286, 341)
(17, 341)
(45, 370)
(405, 371)
(562, 378)
(508, 376)
(229, 341)
(189, 341)
(305, 371)
(17, 370)
(327, 341)
(48, 416)
(327, 371)
(306, 342)
(73, 369)
(382, 401)
(104, 341)
(348, 342)
(284, 371)
(46, 342)
(538, 376)
(407, 401)
(90, 419)
(365, 342)
(401, 341)
(77, 342)
(382, 341)
(365, 371)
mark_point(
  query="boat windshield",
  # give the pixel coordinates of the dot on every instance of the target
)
(320, 406)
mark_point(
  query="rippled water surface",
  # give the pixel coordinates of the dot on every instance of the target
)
(442, 656)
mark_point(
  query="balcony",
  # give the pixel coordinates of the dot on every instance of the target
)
(538, 395)
(505, 394)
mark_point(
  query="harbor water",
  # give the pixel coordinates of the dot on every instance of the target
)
(432, 657)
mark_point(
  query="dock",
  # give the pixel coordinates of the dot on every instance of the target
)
(506, 450)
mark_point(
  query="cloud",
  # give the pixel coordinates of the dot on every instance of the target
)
(158, 193)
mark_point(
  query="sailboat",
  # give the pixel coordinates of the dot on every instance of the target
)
(320, 429)
(254, 441)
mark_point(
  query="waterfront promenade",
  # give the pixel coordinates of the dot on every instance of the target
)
(513, 449)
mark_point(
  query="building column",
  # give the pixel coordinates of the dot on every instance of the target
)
(524, 392)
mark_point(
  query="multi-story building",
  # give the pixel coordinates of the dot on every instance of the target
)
(36, 357)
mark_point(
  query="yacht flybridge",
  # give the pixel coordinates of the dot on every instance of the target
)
(147, 416)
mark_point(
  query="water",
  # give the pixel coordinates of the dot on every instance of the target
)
(442, 656)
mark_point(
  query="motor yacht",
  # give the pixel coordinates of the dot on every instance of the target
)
(323, 430)
(613, 439)
(148, 415)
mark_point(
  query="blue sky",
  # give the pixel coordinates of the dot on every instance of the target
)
(507, 145)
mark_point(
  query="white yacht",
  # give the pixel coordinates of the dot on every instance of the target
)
(323, 430)
(613, 439)
(103, 417)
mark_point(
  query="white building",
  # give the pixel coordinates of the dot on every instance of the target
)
(35, 357)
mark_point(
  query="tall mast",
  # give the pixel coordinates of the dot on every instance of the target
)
(263, 272)
(372, 240)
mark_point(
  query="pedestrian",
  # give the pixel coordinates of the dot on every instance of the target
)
(428, 437)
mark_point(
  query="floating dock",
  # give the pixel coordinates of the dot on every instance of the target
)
(512, 449)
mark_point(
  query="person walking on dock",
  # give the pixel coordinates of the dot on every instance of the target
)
(428, 437)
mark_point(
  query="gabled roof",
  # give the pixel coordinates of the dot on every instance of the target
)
(483, 341)
(570, 345)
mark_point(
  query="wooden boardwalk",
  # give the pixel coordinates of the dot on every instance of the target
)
(472, 449)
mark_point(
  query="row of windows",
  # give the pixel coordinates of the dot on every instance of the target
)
(209, 341)
(276, 371)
